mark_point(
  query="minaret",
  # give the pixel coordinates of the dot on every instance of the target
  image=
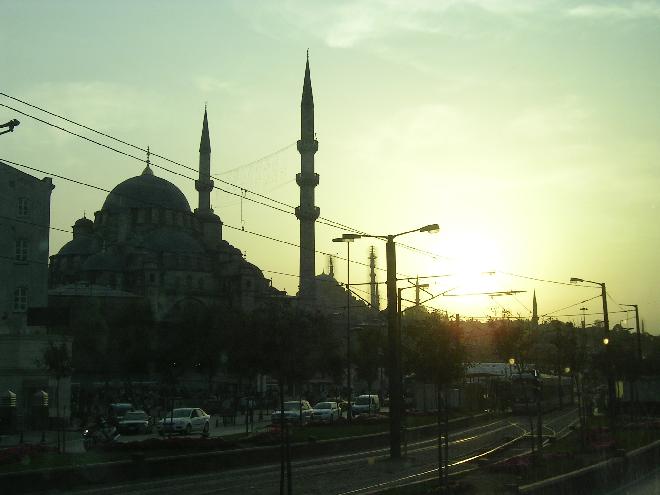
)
(375, 298)
(331, 262)
(211, 223)
(307, 180)
(535, 312)
(204, 184)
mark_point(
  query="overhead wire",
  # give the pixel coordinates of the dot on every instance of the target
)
(150, 203)
(322, 220)
(242, 190)
(570, 306)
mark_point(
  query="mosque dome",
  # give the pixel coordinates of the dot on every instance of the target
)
(82, 245)
(84, 223)
(105, 261)
(146, 190)
(171, 240)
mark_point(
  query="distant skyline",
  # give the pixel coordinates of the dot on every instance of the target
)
(529, 131)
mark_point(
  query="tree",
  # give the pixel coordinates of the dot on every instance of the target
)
(57, 360)
(437, 355)
(292, 345)
(368, 357)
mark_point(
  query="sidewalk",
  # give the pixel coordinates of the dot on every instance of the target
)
(73, 441)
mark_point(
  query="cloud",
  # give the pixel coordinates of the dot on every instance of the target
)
(209, 84)
(561, 120)
(345, 24)
(623, 11)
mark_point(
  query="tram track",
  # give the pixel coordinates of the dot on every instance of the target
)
(369, 470)
(432, 472)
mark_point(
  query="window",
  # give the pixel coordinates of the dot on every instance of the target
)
(20, 299)
(23, 207)
(21, 250)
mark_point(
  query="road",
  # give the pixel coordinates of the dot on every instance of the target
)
(355, 473)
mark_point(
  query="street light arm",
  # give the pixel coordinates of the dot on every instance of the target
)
(431, 229)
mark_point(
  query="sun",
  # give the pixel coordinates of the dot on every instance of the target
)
(472, 261)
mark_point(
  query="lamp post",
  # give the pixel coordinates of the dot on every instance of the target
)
(394, 335)
(606, 340)
(348, 238)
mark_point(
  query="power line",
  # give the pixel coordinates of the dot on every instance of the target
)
(78, 182)
(321, 220)
(543, 280)
(324, 220)
(571, 305)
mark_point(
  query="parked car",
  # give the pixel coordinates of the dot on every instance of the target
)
(366, 404)
(185, 420)
(341, 403)
(292, 412)
(117, 411)
(135, 422)
(325, 411)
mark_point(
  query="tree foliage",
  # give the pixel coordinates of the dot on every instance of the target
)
(368, 354)
(57, 360)
(435, 351)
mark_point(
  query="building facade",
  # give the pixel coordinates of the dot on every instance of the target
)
(24, 235)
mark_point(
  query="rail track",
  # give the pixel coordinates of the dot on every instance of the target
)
(357, 473)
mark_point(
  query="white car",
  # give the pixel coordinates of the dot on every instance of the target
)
(292, 411)
(325, 411)
(135, 422)
(366, 404)
(185, 420)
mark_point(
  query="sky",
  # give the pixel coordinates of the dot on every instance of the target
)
(527, 130)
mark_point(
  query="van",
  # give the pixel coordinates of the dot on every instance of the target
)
(366, 404)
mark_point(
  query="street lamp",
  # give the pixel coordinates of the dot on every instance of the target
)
(348, 238)
(606, 340)
(394, 334)
(10, 126)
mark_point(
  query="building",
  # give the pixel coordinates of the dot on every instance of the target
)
(146, 243)
(24, 234)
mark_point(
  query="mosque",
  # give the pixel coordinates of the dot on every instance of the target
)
(146, 245)
(146, 242)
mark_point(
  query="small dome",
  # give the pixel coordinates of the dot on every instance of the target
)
(105, 262)
(146, 190)
(170, 240)
(84, 223)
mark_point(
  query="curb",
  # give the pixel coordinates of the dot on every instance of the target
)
(141, 466)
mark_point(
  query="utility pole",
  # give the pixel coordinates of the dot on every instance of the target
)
(584, 324)
(394, 351)
(639, 335)
(606, 331)
(394, 334)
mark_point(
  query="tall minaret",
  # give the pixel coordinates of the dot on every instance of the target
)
(535, 313)
(211, 223)
(307, 180)
(375, 299)
(204, 184)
